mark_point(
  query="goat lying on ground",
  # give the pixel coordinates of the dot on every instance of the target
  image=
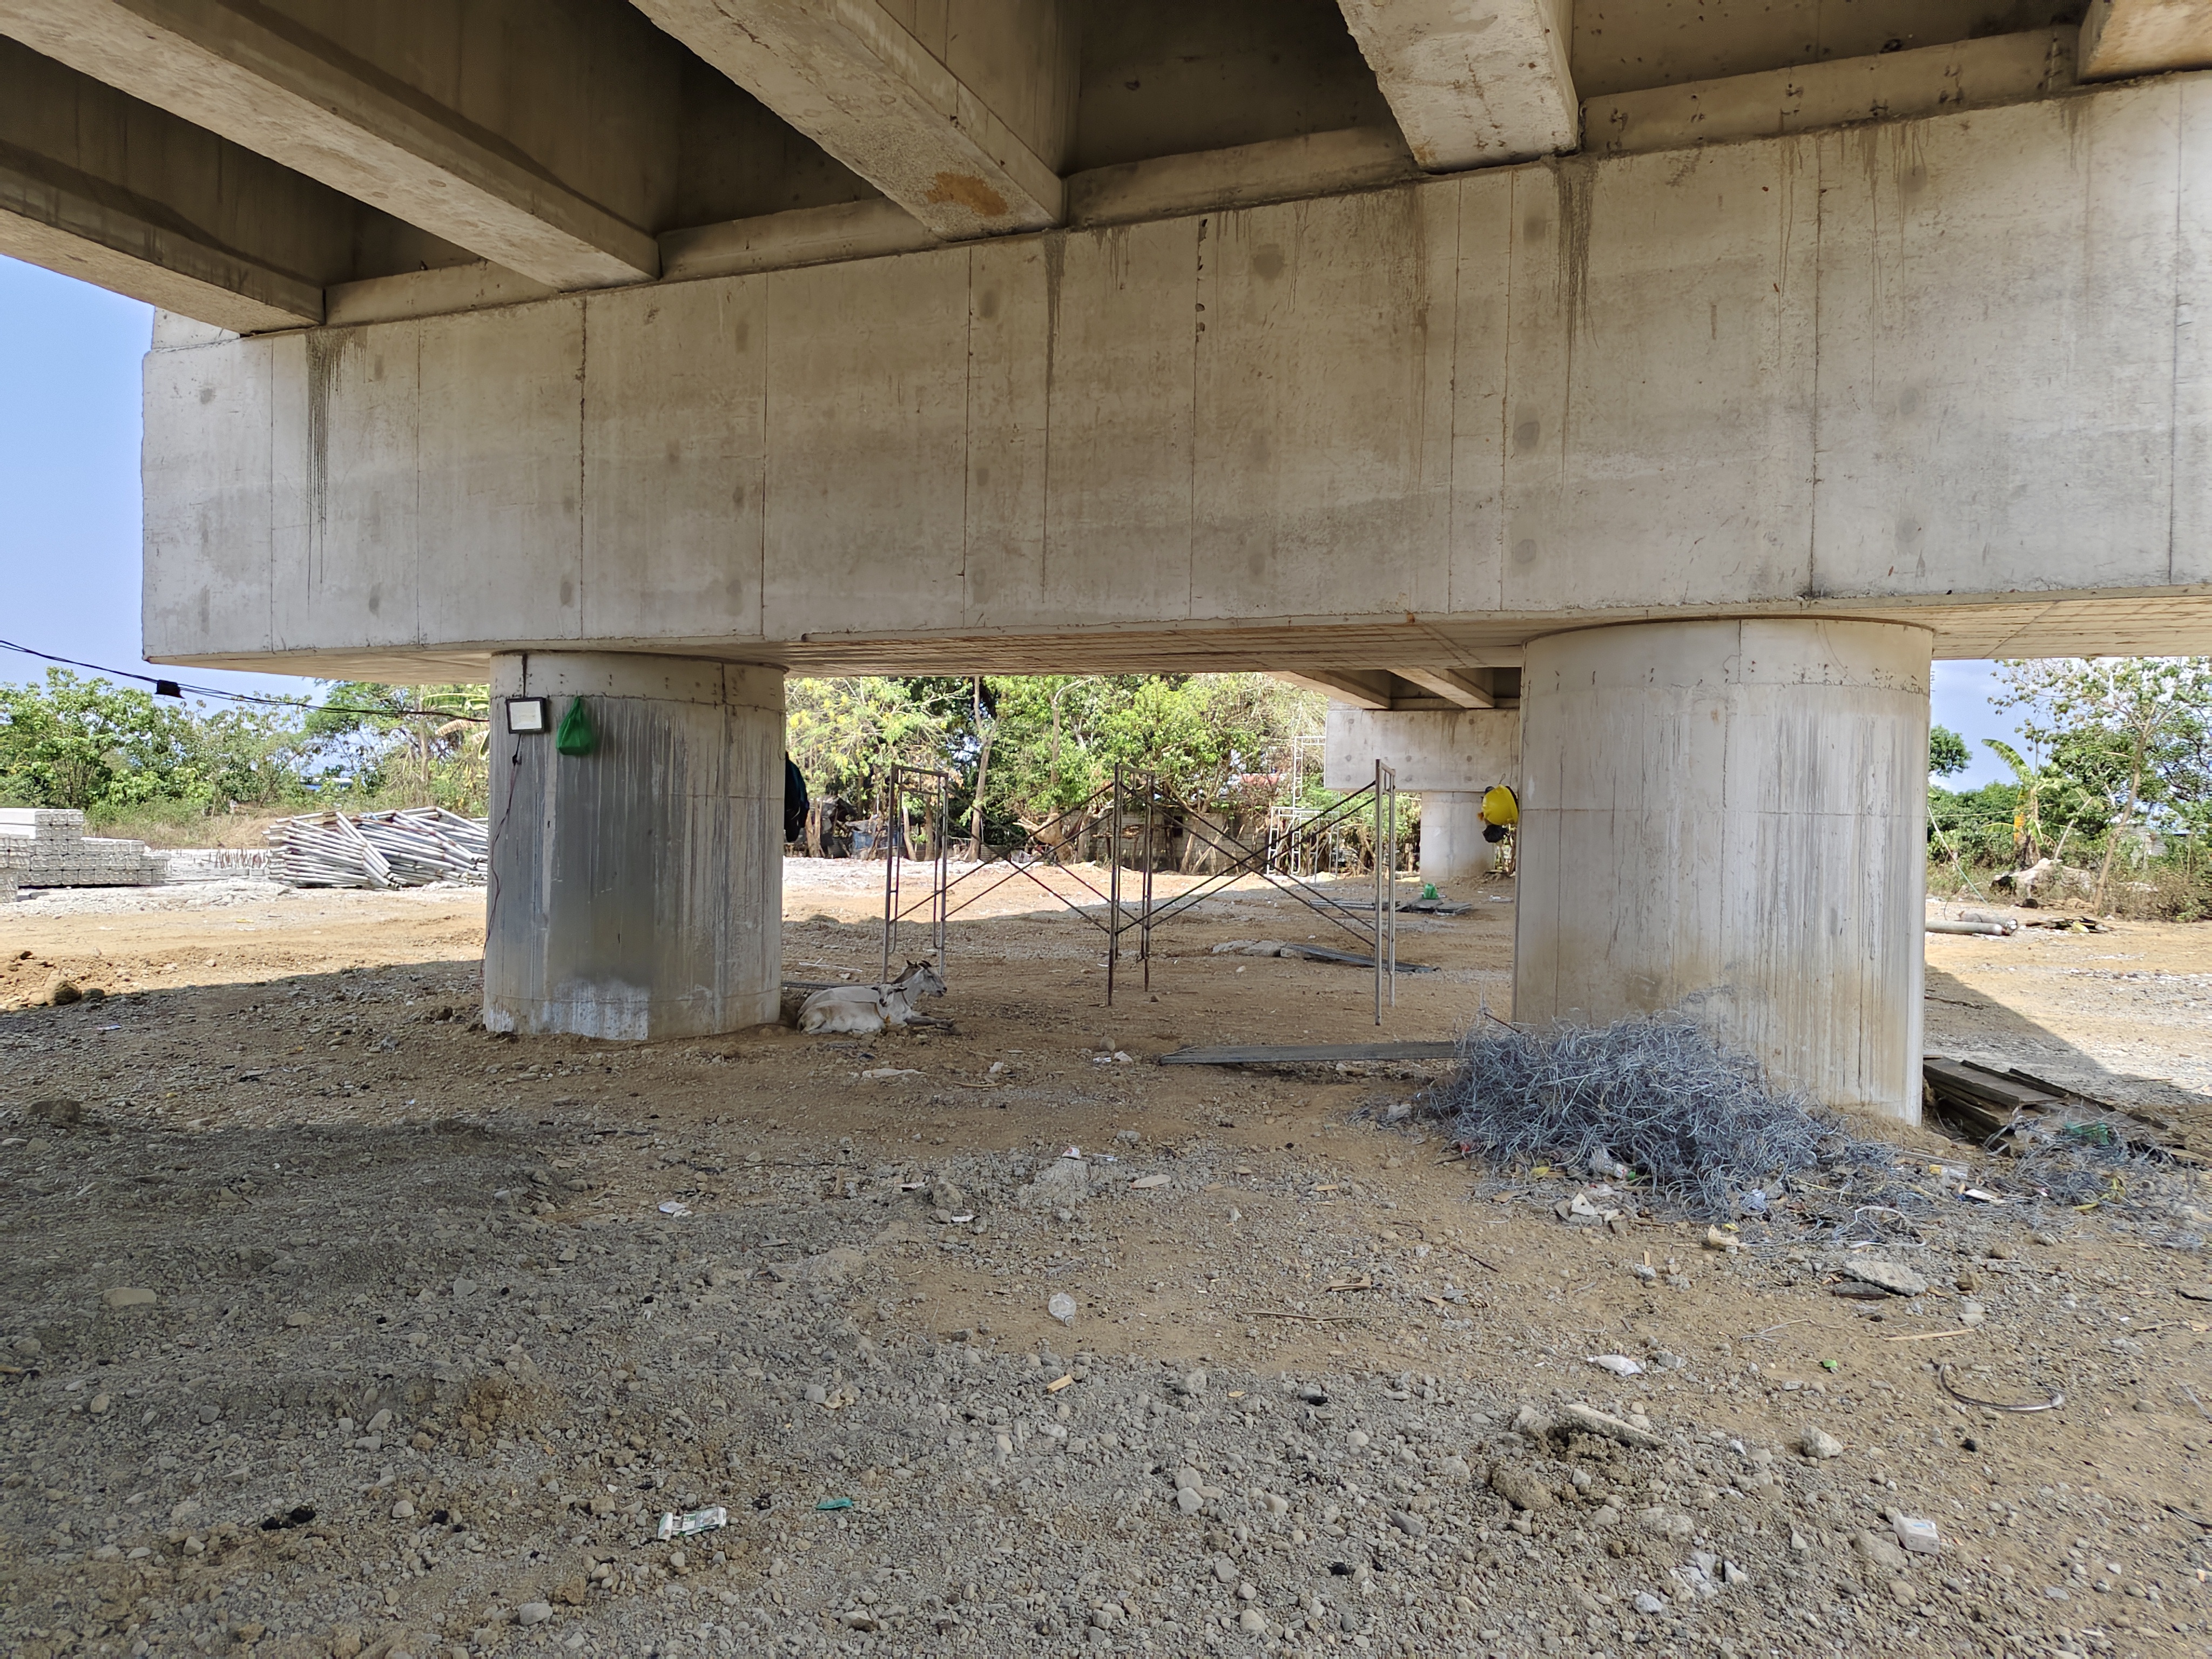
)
(864, 1010)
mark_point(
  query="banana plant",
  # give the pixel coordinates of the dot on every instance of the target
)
(2027, 814)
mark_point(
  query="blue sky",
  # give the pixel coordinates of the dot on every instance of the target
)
(69, 476)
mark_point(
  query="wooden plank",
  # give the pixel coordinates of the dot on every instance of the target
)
(1307, 1054)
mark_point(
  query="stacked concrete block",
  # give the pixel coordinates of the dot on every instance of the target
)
(51, 850)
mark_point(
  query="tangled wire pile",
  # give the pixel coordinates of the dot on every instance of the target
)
(1657, 1095)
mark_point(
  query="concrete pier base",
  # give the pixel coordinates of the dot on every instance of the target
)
(1728, 817)
(636, 891)
(1453, 850)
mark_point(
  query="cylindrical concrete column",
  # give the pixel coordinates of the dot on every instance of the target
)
(1453, 849)
(1727, 818)
(636, 891)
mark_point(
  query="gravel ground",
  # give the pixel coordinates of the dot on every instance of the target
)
(330, 1324)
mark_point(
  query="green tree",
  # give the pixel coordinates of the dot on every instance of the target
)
(2123, 731)
(89, 744)
(423, 745)
(1946, 752)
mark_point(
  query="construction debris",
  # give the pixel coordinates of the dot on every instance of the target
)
(1656, 1094)
(2013, 1108)
(1307, 1053)
(411, 848)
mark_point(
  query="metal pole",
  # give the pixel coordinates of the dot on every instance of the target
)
(1380, 967)
(1114, 888)
(891, 870)
(1144, 931)
(944, 847)
(1393, 887)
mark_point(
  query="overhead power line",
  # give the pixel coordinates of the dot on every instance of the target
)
(179, 688)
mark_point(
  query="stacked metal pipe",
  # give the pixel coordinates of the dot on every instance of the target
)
(410, 848)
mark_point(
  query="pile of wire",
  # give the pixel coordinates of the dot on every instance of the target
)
(1650, 1099)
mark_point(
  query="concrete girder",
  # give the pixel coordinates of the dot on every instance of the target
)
(126, 250)
(1454, 688)
(2120, 38)
(1472, 85)
(851, 76)
(1361, 688)
(284, 95)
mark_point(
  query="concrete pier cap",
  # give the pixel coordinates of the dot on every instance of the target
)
(1448, 757)
(1728, 817)
(635, 890)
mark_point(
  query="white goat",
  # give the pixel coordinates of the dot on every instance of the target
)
(864, 1010)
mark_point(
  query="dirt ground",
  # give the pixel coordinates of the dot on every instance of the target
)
(331, 1324)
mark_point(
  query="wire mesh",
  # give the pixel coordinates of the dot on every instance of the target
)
(1654, 1095)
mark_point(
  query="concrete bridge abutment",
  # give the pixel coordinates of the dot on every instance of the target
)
(1728, 817)
(636, 889)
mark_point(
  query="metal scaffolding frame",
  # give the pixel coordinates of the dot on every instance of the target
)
(908, 786)
(1124, 805)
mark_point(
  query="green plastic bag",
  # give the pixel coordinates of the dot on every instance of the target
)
(577, 735)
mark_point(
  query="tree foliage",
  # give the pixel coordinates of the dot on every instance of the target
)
(1052, 738)
(1946, 752)
(105, 750)
(2115, 760)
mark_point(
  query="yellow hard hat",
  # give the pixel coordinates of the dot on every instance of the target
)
(1501, 806)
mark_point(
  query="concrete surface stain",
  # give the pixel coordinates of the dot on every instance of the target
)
(964, 190)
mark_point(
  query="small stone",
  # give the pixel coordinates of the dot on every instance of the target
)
(345, 1644)
(1409, 1523)
(210, 1413)
(1884, 1553)
(128, 1296)
(1521, 1488)
(1224, 1570)
(1189, 1501)
(1648, 1604)
(1357, 1439)
(1897, 1279)
(61, 990)
(402, 1510)
(1819, 1443)
(1971, 1314)
(1195, 1383)
(1252, 1622)
(1187, 1479)
(1666, 1523)
(533, 1612)
(99, 1404)
(1734, 1576)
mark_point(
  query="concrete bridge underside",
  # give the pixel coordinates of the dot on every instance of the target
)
(1626, 399)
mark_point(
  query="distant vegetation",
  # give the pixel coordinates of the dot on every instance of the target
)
(129, 761)
(1028, 746)
(2113, 780)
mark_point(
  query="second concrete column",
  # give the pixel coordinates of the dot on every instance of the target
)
(1454, 851)
(1727, 818)
(636, 891)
